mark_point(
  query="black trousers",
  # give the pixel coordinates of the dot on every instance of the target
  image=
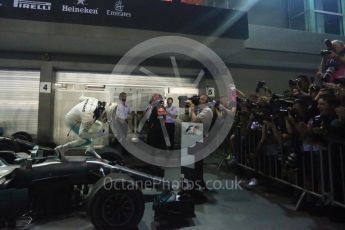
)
(171, 132)
(156, 138)
(195, 175)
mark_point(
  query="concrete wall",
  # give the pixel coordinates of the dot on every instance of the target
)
(268, 46)
(246, 78)
(45, 37)
(286, 40)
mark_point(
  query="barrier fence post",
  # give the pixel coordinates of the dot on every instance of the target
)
(240, 141)
(275, 165)
(322, 174)
(342, 172)
(304, 169)
(246, 145)
(297, 151)
(331, 184)
(312, 172)
(251, 151)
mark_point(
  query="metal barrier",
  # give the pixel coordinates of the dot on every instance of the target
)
(337, 172)
(313, 167)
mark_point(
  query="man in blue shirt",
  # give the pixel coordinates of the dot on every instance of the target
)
(170, 121)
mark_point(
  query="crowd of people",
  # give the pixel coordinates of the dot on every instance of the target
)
(311, 108)
(301, 121)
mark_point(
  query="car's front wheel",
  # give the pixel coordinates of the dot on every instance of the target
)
(116, 204)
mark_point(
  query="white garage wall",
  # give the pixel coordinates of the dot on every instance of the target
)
(19, 94)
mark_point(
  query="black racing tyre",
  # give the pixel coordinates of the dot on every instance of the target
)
(22, 136)
(7, 145)
(111, 207)
(8, 156)
(113, 157)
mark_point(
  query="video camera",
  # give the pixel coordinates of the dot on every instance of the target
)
(280, 104)
(280, 100)
(275, 110)
(196, 101)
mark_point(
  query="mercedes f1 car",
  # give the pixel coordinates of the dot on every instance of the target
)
(38, 183)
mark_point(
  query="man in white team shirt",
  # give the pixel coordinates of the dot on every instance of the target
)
(170, 121)
(86, 120)
(122, 114)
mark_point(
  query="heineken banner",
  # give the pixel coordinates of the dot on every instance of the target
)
(139, 14)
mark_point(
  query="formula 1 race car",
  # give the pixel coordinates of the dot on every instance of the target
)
(37, 182)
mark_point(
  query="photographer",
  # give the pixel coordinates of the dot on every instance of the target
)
(315, 133)
(339, 124)
(300, 86)
(333, 61)
(243, 120)
(299, 116)
(340, 92)
(262, 89)
(222, 113)
(321, 125)
(202, 114)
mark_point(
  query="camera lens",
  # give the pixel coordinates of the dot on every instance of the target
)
(292, 83)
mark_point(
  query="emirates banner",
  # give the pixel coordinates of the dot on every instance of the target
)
(139, 14)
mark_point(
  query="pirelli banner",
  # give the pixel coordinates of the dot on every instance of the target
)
(139, 14)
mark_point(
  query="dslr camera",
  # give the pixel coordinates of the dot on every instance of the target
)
(329, 49)
(332, 67)
(294, 83)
